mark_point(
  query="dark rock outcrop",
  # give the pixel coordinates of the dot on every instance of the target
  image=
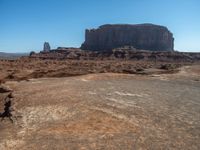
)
(125, 53)
(47, 47)
(141, 36)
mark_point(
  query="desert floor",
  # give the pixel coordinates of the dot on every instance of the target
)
(105, 111)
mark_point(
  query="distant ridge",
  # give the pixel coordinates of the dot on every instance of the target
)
(4, 55)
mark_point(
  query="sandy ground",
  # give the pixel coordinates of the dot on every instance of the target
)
(105, 111)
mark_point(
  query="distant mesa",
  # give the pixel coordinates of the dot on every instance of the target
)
(140, 36)
(47, 47)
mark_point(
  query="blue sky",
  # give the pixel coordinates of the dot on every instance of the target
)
(26, 24)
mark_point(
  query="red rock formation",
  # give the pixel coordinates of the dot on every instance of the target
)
(142, 36)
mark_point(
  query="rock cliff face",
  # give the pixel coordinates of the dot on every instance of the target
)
(142, 36)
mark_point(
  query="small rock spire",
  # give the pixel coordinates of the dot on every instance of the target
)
(47, 47)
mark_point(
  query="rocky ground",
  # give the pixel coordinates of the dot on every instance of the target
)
(65, 62)
(24, 69)
(102, 110)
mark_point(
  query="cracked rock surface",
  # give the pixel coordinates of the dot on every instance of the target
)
(106, 111)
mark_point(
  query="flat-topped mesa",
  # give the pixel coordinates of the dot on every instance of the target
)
(141, 36)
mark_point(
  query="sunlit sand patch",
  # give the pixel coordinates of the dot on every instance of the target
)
(160, 77)
(120, 103)
(188, 71)
(119, 116)
(41, 114)
(130, 94)
(92, 93)
(32, 116)
(35, 82)
(84, 80)
(105, 76)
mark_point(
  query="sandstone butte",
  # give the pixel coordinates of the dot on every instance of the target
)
(139, 36)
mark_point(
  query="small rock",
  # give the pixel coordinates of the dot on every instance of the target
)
(5, 89)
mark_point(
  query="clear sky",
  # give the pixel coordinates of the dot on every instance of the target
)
(26, 24)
